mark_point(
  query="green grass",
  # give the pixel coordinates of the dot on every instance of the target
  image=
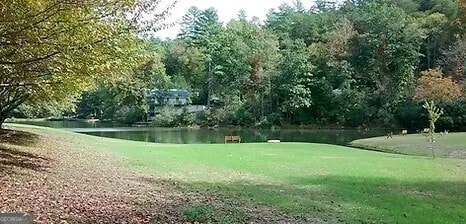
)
(204, 213)
(452, 145)
(332, 183)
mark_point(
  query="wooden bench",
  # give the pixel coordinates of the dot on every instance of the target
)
(232, 139)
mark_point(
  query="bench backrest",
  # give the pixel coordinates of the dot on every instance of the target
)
(232, 138)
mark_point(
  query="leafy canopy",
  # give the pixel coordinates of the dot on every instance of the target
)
(52, 50)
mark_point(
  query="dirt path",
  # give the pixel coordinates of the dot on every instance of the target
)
(60, 181)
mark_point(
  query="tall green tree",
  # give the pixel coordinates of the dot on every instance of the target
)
(295, 79)
(249, 59)
(387, 52)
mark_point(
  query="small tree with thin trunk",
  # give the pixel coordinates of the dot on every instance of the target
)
(432, 88)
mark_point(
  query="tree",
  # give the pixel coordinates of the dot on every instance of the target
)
(324, 6)
(52, 50)
(294, 78)
(453, 60)
(189, 24)
(354, 64)
(436, 39)
(386, 54)
(124, 99)
(200, 25)
(461, 20)
(292, 22)
(249, 59)
(184, 62)
(447, 7)
(203, 32)
(336, 99)
(432, 88)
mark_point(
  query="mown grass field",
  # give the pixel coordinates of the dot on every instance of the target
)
(314, 181)
(452, 145)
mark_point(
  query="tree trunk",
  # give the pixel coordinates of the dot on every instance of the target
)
(208, 97)
(2, 120)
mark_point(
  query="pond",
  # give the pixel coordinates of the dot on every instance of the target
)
(196, 136)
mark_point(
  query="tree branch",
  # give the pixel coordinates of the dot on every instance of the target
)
(23, 84)
(30, 60)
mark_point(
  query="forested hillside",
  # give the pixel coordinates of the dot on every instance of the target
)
(351, 64)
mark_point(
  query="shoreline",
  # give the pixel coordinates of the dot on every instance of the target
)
(149, 124)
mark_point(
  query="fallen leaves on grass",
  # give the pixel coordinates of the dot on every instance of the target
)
(59, 183)
(58, 180)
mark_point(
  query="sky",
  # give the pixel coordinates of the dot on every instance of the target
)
(227, 10)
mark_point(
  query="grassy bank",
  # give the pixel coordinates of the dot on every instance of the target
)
(311, 182)
(452, 145)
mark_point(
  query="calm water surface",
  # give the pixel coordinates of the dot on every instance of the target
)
(192, 136)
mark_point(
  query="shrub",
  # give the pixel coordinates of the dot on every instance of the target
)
(130, 114)
(166, 117)
(454, 118)
(274, 119)
(244, 115)
(411, 115)
(210, 117)
(185, 118)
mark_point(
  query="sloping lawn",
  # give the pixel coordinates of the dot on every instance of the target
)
(311, 182)
(332, 183)
(452, 145)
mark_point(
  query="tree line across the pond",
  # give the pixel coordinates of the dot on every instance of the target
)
(358, 63)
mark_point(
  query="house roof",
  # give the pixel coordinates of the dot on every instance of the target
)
(170, 93)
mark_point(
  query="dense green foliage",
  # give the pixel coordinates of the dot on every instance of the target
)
(352, 65)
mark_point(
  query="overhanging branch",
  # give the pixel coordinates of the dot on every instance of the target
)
(24, 84)
(29, 60)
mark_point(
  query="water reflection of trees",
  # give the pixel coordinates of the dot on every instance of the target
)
(199, 136)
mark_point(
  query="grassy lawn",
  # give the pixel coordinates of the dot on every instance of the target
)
(452, 145)
(326, 182)
(330, 182)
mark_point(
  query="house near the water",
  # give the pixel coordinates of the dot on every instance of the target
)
(178, 98)
(169, 97)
